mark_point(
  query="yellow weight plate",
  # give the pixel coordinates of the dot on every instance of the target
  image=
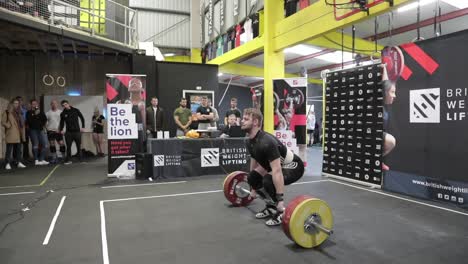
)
(302, 211)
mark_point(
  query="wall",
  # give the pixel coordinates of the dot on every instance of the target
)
(243, 95)
(22, 75)
(167, 80)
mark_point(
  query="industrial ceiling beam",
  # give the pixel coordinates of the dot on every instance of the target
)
(319, 19)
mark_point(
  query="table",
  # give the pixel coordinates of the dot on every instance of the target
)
(173, 158)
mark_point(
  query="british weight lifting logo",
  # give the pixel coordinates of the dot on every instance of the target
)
(158, 160)
(209, 157)
(425, 106)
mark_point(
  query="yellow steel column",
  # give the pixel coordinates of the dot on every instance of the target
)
(273, 61)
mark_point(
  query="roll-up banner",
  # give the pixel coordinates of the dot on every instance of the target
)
(353, 134)
(428, 120)
(126, 122)
(289, 104)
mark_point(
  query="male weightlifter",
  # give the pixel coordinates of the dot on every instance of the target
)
(272, 166)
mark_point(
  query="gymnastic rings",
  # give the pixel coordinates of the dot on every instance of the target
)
(49, 80)
(61, 81)
(44, 80)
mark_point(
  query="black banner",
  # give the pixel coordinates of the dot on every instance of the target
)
(354, 124)
(198, 157)
(429, 121)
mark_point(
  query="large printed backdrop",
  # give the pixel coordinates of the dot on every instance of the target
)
(429, 120)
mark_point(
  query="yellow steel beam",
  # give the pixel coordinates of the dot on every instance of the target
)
(177, 58)
(253, 71)
(333, 40)
(195, 56)
(240, 52)
(318, 19)
(273, 60)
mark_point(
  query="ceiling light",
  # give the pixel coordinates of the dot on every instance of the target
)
(169, 54)
(336, 57)
(414, 5)
(460, 4)
(301, 49)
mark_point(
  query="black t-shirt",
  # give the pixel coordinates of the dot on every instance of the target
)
(233, 111)
(204, 111)
(97, 128)
(255, 25)
(264, 148)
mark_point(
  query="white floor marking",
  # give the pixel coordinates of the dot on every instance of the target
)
(52, 224)
(105, 252)
(5, 194)
(304, 182)
(144, 184)
(161, 196)
(401, 198)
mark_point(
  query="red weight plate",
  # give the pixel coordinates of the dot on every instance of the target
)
(233, 195)
(394, 61)
(289, 211)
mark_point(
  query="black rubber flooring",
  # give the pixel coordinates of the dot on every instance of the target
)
(191, 222)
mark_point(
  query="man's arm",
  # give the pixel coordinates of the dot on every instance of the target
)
(80, 115)
(278, 180)
(62, 121)
(177, 121)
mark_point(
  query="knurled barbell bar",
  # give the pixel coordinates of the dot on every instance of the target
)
(307, 221)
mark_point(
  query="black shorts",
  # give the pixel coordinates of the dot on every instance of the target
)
(53, 135)
(310, 131)
(293, 171)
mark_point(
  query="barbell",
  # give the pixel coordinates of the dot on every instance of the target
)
(307, 221)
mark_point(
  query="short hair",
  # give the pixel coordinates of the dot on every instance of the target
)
(255, 113)
(32, 100)
(18, 98)
(205, 97)
(232, 115)
(154, 97)
(233, 99)
(64, 101)
(183, 98)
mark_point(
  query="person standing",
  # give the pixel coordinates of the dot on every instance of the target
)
(234, 111)
(154, 118)
(182, 117)
(98, 132)
(23, 110)
(204, 114)
(13, 122)
(311, 127)
(36, 121)
(215, 114)
(53, 122)
(69, 118)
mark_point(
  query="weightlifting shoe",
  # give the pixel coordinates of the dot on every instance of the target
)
(275, 220)
(266, 212)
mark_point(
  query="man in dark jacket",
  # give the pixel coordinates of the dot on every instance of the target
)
(154, 118)
(69, 118)
(36, 121)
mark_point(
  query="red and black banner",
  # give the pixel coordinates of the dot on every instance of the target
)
(126, 112)
(428, 122)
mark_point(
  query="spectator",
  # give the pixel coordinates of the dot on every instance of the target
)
(182, 118)
(13, 122)
(36, 121)
(69, 118)
(98, 132)
(311, 127)
(154, 118)
(24, 109)
(204, 114)
(215, 114)
(53, 122)
(234, 111)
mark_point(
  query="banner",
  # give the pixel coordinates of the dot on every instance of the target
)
(353, 133)
(429, 121)
(126, 113)
(198, 157)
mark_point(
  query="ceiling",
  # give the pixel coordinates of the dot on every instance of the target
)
(403, 26)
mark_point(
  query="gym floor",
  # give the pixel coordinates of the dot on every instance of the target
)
(91, 219)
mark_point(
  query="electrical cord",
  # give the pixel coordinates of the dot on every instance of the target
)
(31, 204)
